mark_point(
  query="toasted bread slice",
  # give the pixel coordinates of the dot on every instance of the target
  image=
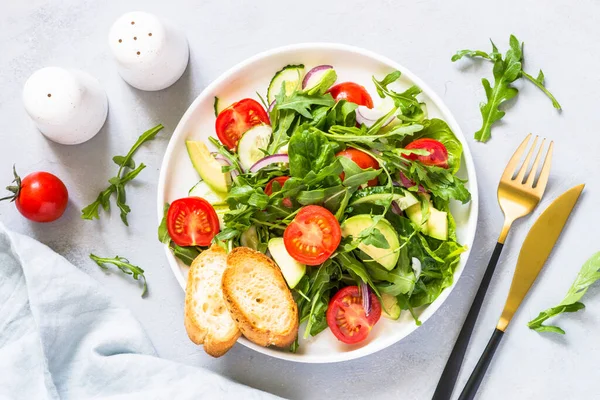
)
(207, 320)
(258, 298)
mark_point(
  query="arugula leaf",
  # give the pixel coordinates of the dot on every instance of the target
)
(319, 196)
(381, 86)
(410, 107)
(301, 103)
(400, 280)
(124, 265)
(354, 176)
(185, 254)
(122, 161)
(506, 70)
(375, 238)
(539, 82)
(163, 233)
(216, 106)
(359, 135)
(280, 131)
(258, 200)
(117, 182)
(356, 268)
(315, 287)
(342, 113)
(588, 275)
(439, 181)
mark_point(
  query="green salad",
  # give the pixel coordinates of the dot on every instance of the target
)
(349, 194)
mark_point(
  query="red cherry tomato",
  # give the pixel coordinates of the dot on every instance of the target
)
(346, 316)
(40, 196)
(352, 92)
(312, 237)
(192, 221)
(362, 159)
(438, 154)
(287, 202)
(237, 119)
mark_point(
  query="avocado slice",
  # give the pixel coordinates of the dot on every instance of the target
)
(291, 269)
(437, 223)
(389, 306)
(386, 257)
(204, 190)
(207, 167)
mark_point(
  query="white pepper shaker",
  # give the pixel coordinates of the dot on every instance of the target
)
(68, 106)
(151, 54)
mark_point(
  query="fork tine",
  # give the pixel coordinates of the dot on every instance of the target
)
(536, 163)
(511, 167)
(521, 175)
(543, 179)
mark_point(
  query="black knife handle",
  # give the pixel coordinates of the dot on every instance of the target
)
(478, 373)
(447, 381)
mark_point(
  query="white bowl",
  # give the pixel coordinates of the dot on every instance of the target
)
(352, 64)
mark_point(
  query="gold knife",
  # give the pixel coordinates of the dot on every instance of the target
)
(535, 251)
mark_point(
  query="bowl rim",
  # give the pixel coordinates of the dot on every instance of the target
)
(448, 118)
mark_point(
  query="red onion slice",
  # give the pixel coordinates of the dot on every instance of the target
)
(274, 159)
(225, 162)
(407, 183)
(396, 208)
(313, 76)
(366, 298)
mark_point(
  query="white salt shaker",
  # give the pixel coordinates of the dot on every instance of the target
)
(151, 54)
(68, 106)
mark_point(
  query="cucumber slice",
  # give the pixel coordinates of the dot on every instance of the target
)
(380, 195)
(207, 167)
(291, 269)
(389, 306)
(250, 145)
(386, 257)
(202, 189)
(291, 75)
(249, 238)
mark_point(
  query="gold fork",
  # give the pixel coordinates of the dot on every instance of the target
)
(519, 192)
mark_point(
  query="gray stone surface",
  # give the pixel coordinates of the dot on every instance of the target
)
(561, 37)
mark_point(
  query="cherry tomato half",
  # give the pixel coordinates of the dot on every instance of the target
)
(438, 154)
(237, 119)
(40, 196)
(346, 316)
(287, 202)
(352, 92)
(362, 159)
(192, 221)
(313, 235)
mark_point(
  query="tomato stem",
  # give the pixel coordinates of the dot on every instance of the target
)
(15, 189)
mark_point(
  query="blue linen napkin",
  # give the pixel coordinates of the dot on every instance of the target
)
(62, 337)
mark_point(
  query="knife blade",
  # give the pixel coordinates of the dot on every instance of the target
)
(536, 248)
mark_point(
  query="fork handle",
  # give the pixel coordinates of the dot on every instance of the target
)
(447, 381)
(470, 389)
